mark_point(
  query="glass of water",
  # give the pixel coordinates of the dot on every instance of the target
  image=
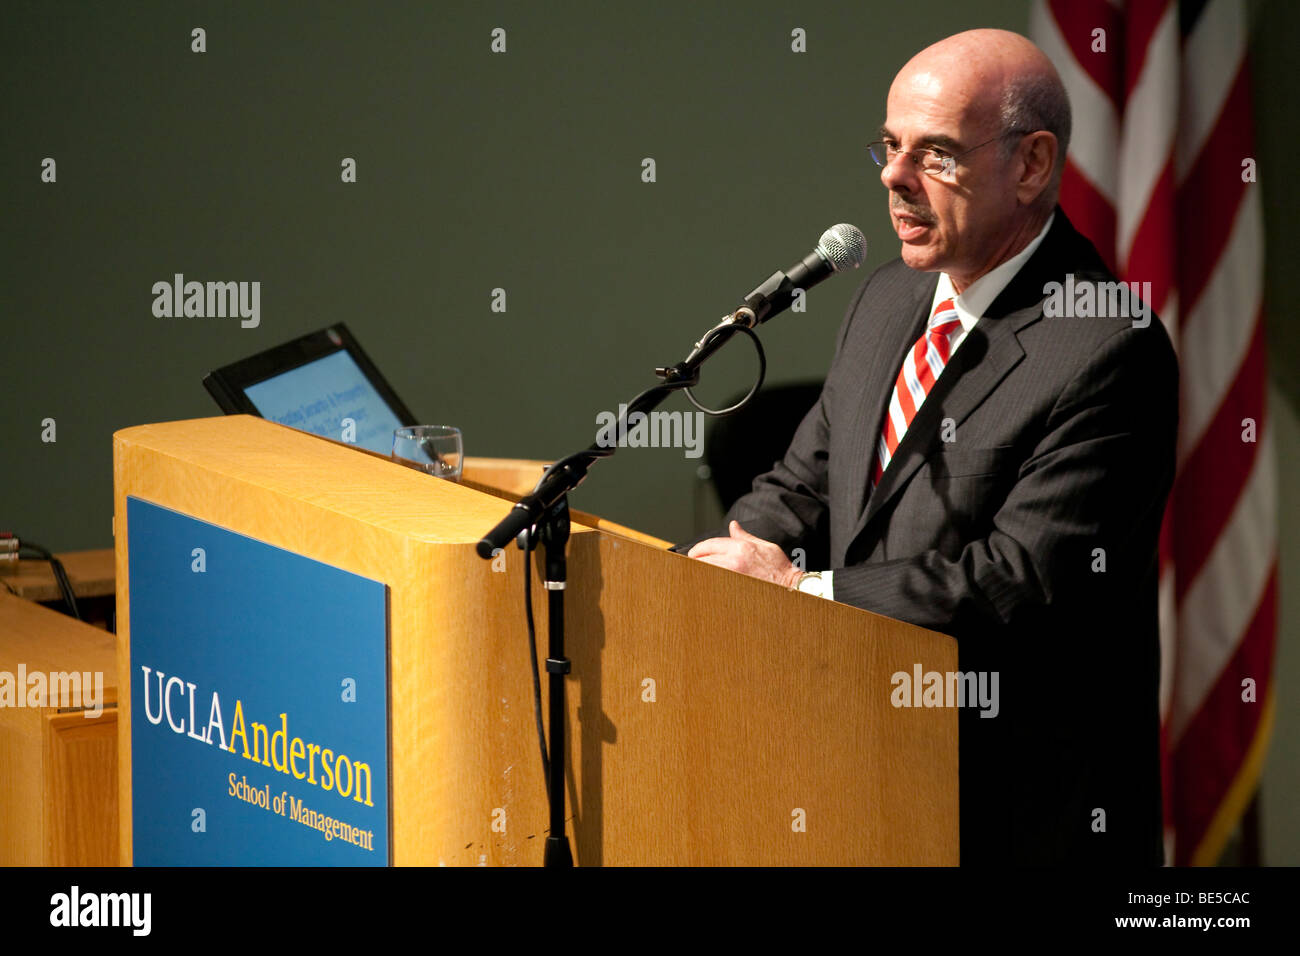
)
(436, 449)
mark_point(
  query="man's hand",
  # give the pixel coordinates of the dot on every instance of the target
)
(749, 555)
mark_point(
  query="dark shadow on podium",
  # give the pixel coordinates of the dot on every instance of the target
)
(584, 642)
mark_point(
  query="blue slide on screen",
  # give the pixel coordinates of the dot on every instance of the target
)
(318, 396)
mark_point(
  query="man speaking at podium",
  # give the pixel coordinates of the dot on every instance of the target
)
(990, 463)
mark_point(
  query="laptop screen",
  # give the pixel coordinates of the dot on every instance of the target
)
(325, 397)
(321, 383)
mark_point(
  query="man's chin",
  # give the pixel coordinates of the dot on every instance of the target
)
(922, 258)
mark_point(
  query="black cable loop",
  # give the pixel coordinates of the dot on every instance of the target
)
(762, 371)
(594, 453)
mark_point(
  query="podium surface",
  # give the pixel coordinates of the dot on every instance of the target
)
(713, 719)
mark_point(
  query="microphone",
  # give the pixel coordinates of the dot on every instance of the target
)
(840, 247)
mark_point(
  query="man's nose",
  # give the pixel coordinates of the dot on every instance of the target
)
(900, 173)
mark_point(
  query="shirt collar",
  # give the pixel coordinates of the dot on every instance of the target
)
(979, 295)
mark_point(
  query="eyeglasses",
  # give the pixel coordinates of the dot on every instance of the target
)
(930, 159)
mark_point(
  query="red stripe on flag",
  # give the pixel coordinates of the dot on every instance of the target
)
(1076, 20)
(1211, 480)
(1210, 197)
(1089, 212)
(1151, 256)
(1143, 16)
(1206, 761)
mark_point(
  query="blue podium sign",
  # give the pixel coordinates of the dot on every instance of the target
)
(259, 701)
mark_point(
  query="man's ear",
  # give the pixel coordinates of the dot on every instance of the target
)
(1037, 155)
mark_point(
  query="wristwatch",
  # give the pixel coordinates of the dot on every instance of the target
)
(810, 582)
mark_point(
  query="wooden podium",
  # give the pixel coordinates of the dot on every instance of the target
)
(58, 763)
(713, 719)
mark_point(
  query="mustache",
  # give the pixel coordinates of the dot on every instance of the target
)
(920, 212)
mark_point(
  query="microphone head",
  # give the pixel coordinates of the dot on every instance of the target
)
(843, 246)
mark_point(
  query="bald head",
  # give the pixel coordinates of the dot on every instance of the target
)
(988, 56)
(1000, 79)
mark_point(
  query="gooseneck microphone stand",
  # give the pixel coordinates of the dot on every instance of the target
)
(544, 514)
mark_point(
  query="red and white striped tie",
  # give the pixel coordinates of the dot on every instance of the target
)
(921, 368)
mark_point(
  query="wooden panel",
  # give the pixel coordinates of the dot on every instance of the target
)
(613, 527)
(90, 573)
(81, 787)
(45, 640)
(22, 807)
(35, 781)
(775, 704)
(766, 702)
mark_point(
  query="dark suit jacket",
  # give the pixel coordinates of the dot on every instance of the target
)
(1062, 457)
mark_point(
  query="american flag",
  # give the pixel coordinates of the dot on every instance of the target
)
(1160, 176)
